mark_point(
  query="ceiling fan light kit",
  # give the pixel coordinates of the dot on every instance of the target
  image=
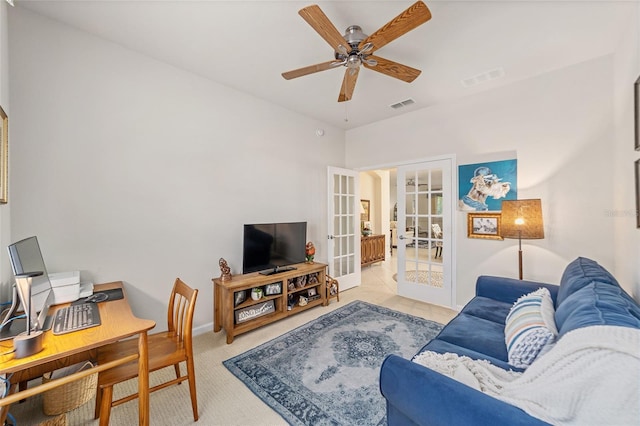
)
(355, 48)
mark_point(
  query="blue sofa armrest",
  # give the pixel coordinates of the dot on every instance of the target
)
(508, 290)
(417, 395)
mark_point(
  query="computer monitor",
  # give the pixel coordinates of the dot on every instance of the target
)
(32, 281)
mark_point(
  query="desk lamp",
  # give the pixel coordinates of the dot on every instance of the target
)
(30, 342)
(522, 219)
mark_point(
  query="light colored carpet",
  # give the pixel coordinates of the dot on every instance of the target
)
(326, 372)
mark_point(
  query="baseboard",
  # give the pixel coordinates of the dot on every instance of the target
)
(202, 329)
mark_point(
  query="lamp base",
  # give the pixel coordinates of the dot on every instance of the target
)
(520, 263)
(28, 344)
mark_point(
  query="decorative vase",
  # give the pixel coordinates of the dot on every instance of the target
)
(256, 294)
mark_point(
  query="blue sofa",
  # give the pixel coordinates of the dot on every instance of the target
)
(416, 395)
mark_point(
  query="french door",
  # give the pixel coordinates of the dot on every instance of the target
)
(343, 245)
(425, 209)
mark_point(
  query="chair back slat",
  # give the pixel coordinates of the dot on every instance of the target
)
(180, 313)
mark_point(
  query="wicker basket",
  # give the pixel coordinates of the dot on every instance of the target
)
(71, 395)
(60, 420)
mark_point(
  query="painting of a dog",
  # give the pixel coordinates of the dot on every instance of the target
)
(483, 186)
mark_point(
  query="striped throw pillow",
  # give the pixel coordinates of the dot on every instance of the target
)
(529, 327)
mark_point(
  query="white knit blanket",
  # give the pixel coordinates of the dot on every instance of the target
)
(590, 377)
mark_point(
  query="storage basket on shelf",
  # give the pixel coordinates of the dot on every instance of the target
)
(71, 395)
(60, 420)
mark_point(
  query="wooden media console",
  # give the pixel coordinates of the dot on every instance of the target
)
(281, 295)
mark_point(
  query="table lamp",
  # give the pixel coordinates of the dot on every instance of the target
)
(30, 342)
(522, 219)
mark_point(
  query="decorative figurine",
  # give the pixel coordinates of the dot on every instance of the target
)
(226, 271)
(310, 251)
(301, 281)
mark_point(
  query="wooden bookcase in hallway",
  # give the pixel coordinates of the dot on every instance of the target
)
(372, 249)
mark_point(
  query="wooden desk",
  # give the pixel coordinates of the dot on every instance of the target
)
(118, 322)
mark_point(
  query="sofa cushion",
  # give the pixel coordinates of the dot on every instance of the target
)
(580, 273)
(530, 326)
(597, 304)
(489, 309)
(476, 334)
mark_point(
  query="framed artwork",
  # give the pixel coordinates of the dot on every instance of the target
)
(636, 112)
(239, 297)
(483, 186)
(4, 157)
(311, 292)
(364, 210)
(637, 164)
(255, 311)
(484, 225)
(273, 289)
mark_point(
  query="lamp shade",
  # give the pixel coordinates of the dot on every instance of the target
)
(522, 219)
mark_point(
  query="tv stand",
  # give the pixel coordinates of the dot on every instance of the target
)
(236, 312)
(277, 270)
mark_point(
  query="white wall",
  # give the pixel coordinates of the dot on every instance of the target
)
(130, 169)
(626, 238)
(5, 217)
(561, 126)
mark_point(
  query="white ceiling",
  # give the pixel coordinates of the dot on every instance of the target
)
(248, 44)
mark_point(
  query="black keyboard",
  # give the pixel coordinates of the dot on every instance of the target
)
(76, 317)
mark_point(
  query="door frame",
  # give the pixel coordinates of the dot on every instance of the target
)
(454, 207)
(352, 279)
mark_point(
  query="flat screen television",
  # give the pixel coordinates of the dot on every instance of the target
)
(273, 247)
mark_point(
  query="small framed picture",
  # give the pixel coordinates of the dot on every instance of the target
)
(636, 112)
(273, 289)
(365, 210)
(637, 173)
(312, 292)
(4, 156)
(239, 297)
(484, 225)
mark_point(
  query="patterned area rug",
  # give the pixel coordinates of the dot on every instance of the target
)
(421, 244)
(422, 277)
(326, 372)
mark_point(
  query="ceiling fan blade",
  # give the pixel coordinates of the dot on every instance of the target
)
(310, 69)
(348, 84)
(393, 69)
(417, 14)
(323, 26)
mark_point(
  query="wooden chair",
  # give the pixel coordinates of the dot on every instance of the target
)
(168, 348)
(437, 233)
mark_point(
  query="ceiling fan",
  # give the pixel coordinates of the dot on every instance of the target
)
(355, 48)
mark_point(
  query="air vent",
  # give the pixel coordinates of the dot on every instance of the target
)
(403, 104)
(483, 77)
